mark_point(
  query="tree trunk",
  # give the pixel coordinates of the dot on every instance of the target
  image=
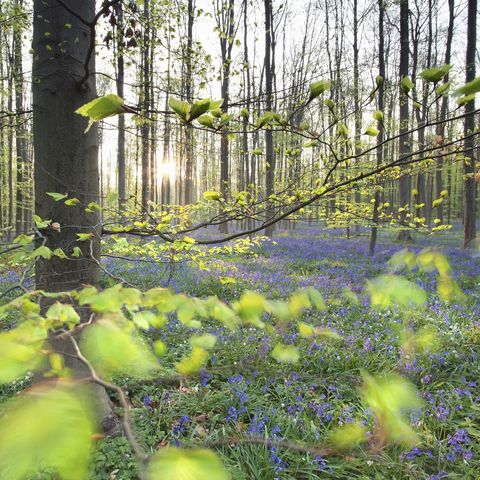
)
(470, 231)
(189, 187)
(405, 147)
(146, 106)
(269, 151)
(381, 107)
(122, 190)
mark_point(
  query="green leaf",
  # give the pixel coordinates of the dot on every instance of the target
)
(159, 348)
(348, 436)
(20, 351)
(211, 196)
(40, 223)
(407, 84)
(443, 89)
(317, 88)
(63, 313)
(199, 108)
(77, 252)
(71, 202)
(250, 308)
(227, 280)
(144, 319)
(316, 298)
(84, 237)
(206, 341)
(56, 196)
(470, 88)
(216, 104)
(285, 353)
(58, 252)
(47, 429)
(329, 103)
(206, 121)
(107, 301)
(43, 252)
(305, 330)
(372, 131)
(182, 109)
(177, 464)
(389, 397)
(465, 99)
(435, 74)
(101, 108)
(378, 115)
(113, 347)
(392, 290)
(23, 239)
(194, 362)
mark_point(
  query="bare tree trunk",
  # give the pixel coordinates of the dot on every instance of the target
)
(269, 151)
(120, 80)
(227, 24)
(470, 230)
(356, 94)
(146, 106)
(404, 147)
(189, 97)
(70, 163)
(440, 131)
(381, 106)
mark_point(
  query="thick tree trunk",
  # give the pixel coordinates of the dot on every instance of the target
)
(66, 158)
(470, 230)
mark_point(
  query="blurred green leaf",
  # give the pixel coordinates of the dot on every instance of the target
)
(393, 290)
(348, 436)
(47, 428)
(317, 88)
(206, 341)
(285, 353)
(112, 346)
(435, 74)
(20, 350)
(390, 397)
(194, 362)
(177, 464)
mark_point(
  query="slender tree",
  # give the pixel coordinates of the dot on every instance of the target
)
(404, 140)
(470, 230)
(381, 107)
(269, 74)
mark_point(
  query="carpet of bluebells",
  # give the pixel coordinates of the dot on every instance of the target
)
(244, 392)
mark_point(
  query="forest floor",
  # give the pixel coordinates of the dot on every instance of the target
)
(244, 392)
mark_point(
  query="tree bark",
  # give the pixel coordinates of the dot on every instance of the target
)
(404, 140)
(66, 158)
(440, 131)
(381, 107)
(470, 230)
(121, 164)
(269, 151)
